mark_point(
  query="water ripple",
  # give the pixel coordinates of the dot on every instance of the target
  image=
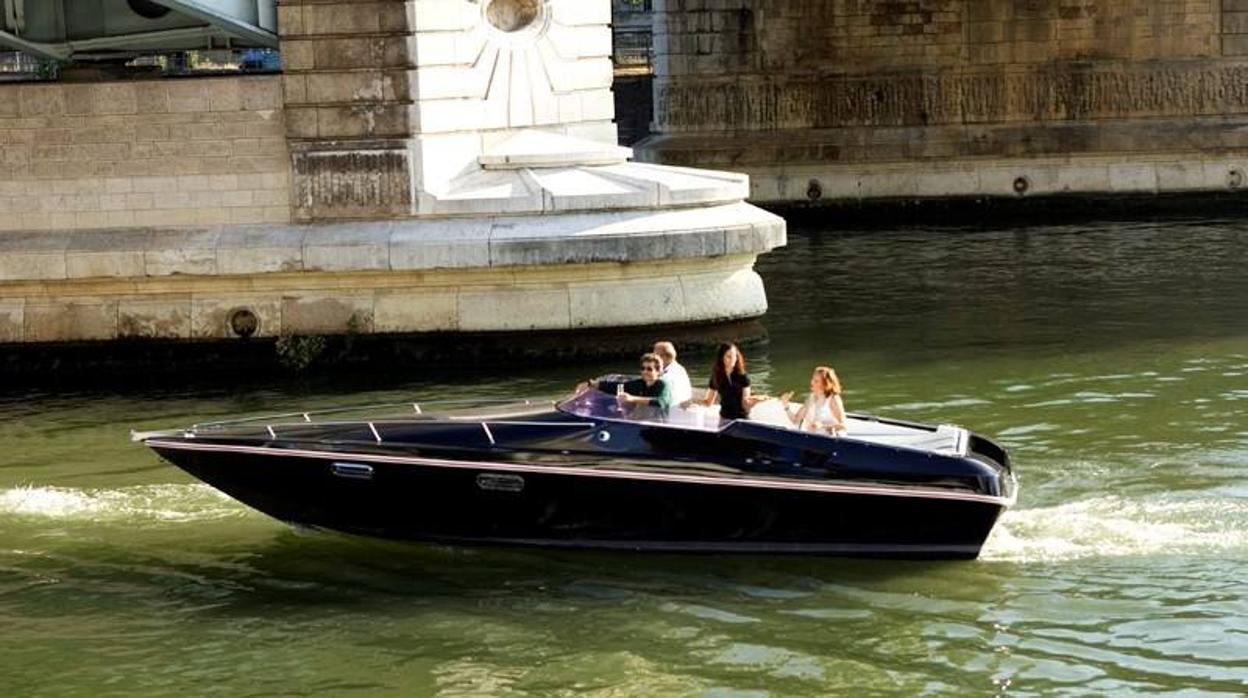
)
(141, 502)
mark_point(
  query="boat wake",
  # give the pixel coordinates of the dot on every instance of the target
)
(1116, 527)
(169, 502)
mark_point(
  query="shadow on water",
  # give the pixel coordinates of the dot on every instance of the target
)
(144, 363)
(932, 292)
(306, 569)
(418, 569)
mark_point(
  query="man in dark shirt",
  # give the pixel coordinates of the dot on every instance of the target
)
(648, 397)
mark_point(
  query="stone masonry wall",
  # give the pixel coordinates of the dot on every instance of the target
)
(758, 84)
(146, 153)
(845, 36)
(387, 101)
(810, 64)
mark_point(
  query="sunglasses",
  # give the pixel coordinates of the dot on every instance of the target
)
(649, 368)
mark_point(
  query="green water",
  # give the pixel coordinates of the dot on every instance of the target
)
(1110, 358)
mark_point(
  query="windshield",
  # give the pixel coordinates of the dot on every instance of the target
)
(597, 403)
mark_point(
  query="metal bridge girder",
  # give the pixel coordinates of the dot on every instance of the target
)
(64, 29)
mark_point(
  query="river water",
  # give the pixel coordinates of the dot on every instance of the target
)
(1111, 358)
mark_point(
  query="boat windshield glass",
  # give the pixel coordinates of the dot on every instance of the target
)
(596, 404)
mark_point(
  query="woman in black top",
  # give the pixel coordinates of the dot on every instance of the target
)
(730, 384)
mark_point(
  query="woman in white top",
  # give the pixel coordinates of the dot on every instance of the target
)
(823, 410)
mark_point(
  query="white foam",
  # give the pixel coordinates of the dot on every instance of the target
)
(149, 502)
(1116, 527)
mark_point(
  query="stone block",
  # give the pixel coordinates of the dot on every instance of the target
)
(70, 319)
(294, 88)
(362, 246)
(1234, 44)
(415, 311)
(888, 184)
(576, 189)
(427, 49)
(1185, 176)
(212, 216)
(703, 295)
(301, 122)
(1229, 174)
(343, 18)
(440, 244)
(582, 12)
(581, 41)
(151, 98)
(758, 237)
(1133, 177)
(371, 120)
(963, 181)
(32, 256)
(115, 98)
(514, 308)
(588, 74)
(12, 320)
(187, 96)
(370, 182)
(448, 82)
(223, 94)
(1083, 178)
(41, 100)
(10, 103)
(298, 55)
(120, 219)
(625, 303)
(182, 252)
(210, 314)
(98, 264)
(164, 316)
(444, 16)
(289, 21)
(452, 116)
(440, 158)
(313, 313)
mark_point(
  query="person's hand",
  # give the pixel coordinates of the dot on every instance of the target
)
(582, 387)
(785, 397)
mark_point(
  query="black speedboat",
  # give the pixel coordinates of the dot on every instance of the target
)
(584, 472)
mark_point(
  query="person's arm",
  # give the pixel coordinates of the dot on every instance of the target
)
(800, 418)
(706, 401)
(712, 397)
(838, 413)
(608, 387)
(664, 399)
(748, 401)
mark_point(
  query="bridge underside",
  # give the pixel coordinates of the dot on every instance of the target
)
(842, 102)
(118, 29)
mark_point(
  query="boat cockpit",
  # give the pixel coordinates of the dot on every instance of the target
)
(598, 405)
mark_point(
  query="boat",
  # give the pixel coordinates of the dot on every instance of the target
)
(585, 472)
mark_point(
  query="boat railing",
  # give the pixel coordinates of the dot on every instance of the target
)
(398, 410)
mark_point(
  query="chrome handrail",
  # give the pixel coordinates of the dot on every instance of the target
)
(417, 408)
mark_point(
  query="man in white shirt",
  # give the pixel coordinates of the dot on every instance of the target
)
(674, 375)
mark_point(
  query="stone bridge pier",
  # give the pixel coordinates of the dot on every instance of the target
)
(431, 168)
(855, 100)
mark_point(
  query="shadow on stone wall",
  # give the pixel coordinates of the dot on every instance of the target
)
(146, 363)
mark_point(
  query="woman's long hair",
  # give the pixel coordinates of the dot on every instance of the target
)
(831, 383)
(719, 377)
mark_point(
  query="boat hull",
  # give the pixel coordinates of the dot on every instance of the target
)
(608, 505)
